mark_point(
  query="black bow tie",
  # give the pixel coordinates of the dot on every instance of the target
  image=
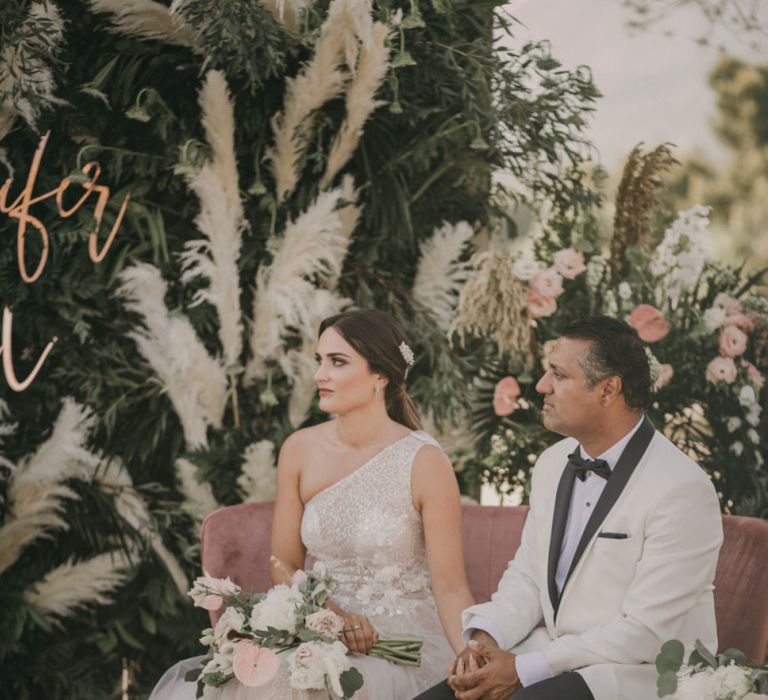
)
(582, 466)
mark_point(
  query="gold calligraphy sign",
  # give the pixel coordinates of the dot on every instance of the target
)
(19, 209)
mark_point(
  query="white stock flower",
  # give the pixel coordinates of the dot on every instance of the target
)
(737, 448)
(733, 423)
(207, 638)
(625, 291)
(277, 610)
(759, 459)
(679, 259)
(753, 436)
(595, 271)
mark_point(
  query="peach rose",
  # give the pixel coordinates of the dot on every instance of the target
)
(569, 263)
(733, 342)
(666, 372)
(649, 323)
(754, 373)
(548, 283)
(254, 665)
(721, 369)
(504, 396)
(325, 622)
(538, 305)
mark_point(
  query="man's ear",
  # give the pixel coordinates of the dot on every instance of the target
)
(611, 390)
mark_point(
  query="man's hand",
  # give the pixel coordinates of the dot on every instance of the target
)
(495, 679)
(461, 664)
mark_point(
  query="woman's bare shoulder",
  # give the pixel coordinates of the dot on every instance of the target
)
(303, 441)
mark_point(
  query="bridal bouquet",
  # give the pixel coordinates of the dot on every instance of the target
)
(255, 628)
(727, 676)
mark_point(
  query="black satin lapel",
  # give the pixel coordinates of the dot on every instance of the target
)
(629, 459)
(559, 520)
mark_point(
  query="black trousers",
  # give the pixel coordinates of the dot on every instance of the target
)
(566, 686)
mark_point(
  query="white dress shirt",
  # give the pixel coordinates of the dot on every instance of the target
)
(532, 666)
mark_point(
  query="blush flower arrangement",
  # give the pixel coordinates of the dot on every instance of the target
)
(705, 326)
(255, 629)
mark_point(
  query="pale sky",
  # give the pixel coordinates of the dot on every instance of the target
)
(654, 85)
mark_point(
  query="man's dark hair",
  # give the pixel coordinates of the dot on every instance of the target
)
(615, 350)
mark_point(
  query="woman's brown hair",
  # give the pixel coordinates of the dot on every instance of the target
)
(377, 336)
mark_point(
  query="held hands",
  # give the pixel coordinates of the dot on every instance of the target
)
(358, 634)
(488, 673)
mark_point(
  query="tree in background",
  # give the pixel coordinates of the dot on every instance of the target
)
(738, 193)
(283, 160)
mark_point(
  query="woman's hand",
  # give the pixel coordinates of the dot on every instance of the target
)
(358, 634)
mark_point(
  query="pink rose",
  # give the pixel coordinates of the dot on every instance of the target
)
(538, 305)
(666, 372)
(504, 396)
(254, 665)
(649, 323)
(569, 263)
(740, 320)
(733, 342)
(548, 283)
(209, 602)
(721, 369)
(754, 374)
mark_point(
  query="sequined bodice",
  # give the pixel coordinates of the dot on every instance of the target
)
(367, 533)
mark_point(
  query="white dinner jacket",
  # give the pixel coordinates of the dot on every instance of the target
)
(624, 596)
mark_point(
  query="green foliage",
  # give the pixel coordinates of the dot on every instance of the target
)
(462, 109)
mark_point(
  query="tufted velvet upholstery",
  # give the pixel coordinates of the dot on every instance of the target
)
(235, 543)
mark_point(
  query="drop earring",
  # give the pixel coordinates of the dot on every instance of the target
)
(376, 391)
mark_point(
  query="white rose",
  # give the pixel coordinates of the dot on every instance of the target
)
(731, 682)
(737, 448)
(525, 268)
(733, 423)
(695, 687)
(313, 661)
(747, 396)
(277, 610)
(336, 662)
(714, 318)
(231, 620)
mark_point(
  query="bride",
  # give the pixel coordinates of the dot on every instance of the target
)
(375, 499)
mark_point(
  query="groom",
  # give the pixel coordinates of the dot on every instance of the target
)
(619, 549)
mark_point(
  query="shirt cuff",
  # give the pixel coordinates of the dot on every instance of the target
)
(478, 622)
(532, 667)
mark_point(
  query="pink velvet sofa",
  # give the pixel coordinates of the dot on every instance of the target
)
(235, 542)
